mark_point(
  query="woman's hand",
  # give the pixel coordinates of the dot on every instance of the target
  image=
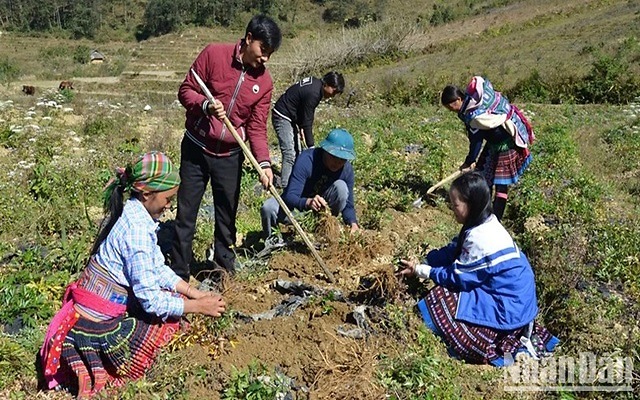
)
(409, 267)
(212, 305)
(198, 294)
(467, 167)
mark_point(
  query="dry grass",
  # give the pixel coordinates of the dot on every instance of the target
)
(346, 364)
(348, 46)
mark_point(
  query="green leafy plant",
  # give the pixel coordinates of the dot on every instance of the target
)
(418, 373)
(254, 383)
(9, 71)
(67, 95)
(13, 359)
(81, 54)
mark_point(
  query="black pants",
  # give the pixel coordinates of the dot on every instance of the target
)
(196, 170)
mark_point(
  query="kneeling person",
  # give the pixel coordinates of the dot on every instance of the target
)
(322, 178)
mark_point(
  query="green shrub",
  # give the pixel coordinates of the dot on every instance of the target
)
(420, 372)
(81, 55)
(254, 383)
(67, 95)
(611, 80)
(531, 89)
(57, 51)
(402, 92)
(14, 361)
(441, 15)
(8, 138)
(615, 251)
(9, 71)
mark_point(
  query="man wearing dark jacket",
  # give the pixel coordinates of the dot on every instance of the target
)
(242, 87)
(322, 178)
(293, 115)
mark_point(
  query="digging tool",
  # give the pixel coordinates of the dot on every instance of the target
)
(272, 189)
(418, 202)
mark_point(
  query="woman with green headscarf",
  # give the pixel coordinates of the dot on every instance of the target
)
(127, 303)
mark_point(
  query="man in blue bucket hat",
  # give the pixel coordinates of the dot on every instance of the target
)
(322, 177)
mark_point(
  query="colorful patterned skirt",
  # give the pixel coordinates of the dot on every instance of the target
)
(503, 166)
(88, 345)
(95, 354)
(473, 343)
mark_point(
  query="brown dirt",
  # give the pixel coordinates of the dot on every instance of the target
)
(306, 345)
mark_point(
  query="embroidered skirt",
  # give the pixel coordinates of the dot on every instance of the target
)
(474, 343)
(114, 351)
(92, 348)
(503, 167)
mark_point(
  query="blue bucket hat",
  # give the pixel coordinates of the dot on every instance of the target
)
(339, 143)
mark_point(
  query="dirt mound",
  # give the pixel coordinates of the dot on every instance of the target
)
(328, 338)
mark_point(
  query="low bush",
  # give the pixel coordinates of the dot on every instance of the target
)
(9, 70)
(255, 382)
(419, 373)
(613, 79)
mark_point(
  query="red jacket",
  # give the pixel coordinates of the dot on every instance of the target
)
(245, 93)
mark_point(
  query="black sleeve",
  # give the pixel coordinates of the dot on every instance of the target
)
(309, 100)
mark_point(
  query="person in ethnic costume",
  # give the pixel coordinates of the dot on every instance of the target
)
(484, 303)
(127, 303)
(488, 116)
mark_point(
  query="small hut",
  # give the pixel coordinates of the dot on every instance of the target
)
(96, 57)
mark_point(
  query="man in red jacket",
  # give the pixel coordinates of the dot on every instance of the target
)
(241, 85)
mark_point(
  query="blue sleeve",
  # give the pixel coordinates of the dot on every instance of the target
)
(301, 172)
(443, 256)
(457, 278)
(349, 212)
(475, 144)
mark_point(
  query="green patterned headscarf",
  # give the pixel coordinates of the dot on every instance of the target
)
(152, 172)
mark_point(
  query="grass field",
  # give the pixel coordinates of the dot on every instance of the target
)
(575, 212)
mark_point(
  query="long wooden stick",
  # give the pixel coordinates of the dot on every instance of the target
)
(445, 180)
(272, 189)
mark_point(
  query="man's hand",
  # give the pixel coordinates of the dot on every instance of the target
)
(267, 178)
(303, 141)
(316, 203)
(216, 108)
(355, 227)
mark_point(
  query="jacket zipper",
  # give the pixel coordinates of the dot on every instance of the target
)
(231, 104)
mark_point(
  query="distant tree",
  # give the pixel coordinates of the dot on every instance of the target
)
(83, 19)
(353, 13)
(164, 16)
(217, 12)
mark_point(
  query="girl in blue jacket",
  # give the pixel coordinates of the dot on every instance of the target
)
(484, 302)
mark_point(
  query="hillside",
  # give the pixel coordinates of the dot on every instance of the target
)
(574, 213)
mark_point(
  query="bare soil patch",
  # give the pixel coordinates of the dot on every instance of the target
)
(307, 345)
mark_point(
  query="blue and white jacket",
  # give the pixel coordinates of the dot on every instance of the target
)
(495, 281)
